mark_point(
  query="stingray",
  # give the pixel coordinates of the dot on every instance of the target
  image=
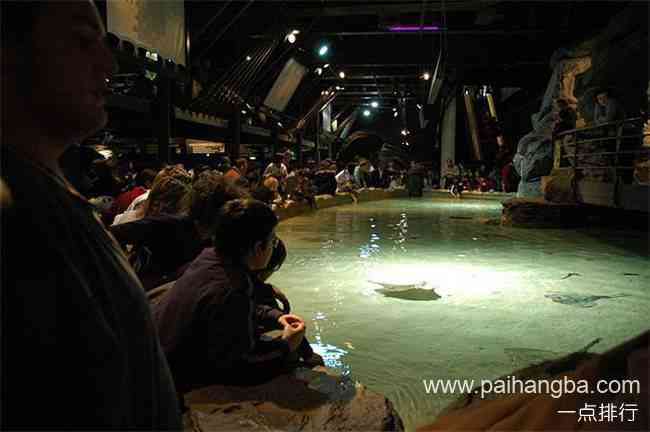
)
(414, 294)
(580, 300)
(568, 275)
(461, 217)
(399, 287)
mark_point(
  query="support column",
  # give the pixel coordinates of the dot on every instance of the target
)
(162, 128)
(235, 130)
(274, 141)
(473, 126)
(448, 139)
(317, 138)
(299, 148)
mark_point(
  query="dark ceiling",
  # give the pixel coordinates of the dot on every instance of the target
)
(502, 43)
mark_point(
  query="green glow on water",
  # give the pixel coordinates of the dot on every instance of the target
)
(396, 292)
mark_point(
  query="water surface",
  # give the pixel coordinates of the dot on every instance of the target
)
(398, 291)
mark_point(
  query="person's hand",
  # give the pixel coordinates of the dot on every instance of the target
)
(290, 320)
(294, 334)
(279, 295)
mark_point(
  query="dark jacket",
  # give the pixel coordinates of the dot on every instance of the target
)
(79, 335)
(207, 324)
(163, 245)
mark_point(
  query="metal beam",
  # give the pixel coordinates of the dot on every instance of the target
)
(467, 32)
(397, 7)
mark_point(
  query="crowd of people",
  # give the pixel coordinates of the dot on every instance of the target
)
(458, 179)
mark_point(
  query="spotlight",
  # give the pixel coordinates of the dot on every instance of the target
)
(295, 32)
(366, 113)
(291, 38)
(374, 104)
(319, 71)
(339, 88)
(326, 65)
(405, 132)
(419, 106)
(426, 76)
(407, 143)
(249, 58)
(243, 112)
(323, 50)
(395, 114)
(394, 109)
(280, 124)
(341, 74)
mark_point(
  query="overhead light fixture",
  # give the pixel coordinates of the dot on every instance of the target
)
(394, 109)
(252, 158)
(323, 50)
(291, 38)
(341, 74)
(407, 143)
(366, 113)
(326, 65)
(280, 124)
(374, 104)
(395, 114)
(319, 71)
(412, 28)
(419, 106)
(243, 112)
(405, 132)
(295, 32)
(426, 76)
(248, 58)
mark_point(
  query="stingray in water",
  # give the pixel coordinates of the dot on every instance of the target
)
(418, 291)
(568, 275)
(580, 300)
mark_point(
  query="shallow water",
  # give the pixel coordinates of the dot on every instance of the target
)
(395, 292)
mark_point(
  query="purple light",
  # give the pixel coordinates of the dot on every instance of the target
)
(412, 28)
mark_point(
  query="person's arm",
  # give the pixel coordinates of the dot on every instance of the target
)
(138, 231)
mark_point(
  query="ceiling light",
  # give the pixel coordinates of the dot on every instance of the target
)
(295, 32)
(243, 112)
(394, 109)
(374, 104)
(366, 113)
(395, 114)
(249, 58)
(279, 124)
(326, 65)
(405, 132)
(419, 106)
(323, 50)
(426, 76)
(319, 71)
(291, 38)
(407, 143)
(341, 74)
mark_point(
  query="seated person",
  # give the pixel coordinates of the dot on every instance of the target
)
(267, 296)
(450, 173)
(305, 190)
(207, 322)
(165, 243)
(325, 179)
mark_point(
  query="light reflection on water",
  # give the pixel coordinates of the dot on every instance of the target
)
(490, 284)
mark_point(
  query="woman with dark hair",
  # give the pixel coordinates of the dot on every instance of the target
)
(207, 321)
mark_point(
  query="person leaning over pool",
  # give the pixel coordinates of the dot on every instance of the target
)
(267, 296)
(207, 321)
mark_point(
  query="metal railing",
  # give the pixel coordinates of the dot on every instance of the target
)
(604, 153)
(575, 148)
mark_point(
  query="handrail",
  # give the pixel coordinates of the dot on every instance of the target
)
(602, 125)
